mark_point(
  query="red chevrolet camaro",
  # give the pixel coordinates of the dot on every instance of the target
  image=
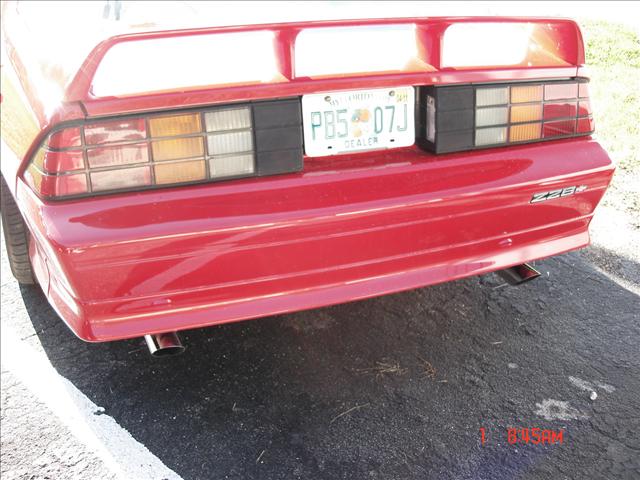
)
(157, 181)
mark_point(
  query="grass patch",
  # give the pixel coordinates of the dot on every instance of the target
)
(613, 60)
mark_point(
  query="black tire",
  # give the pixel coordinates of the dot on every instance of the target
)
(16, 238)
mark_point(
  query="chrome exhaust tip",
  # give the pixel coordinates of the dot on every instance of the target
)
(519, 274)
(164, 344)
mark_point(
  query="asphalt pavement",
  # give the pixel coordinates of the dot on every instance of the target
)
(397, 387)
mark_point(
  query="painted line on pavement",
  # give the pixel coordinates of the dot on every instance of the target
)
(101, 434)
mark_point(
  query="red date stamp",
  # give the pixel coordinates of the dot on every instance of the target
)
(528, 435)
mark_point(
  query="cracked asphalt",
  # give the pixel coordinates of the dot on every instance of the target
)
(393, 387)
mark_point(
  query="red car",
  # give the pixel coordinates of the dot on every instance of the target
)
(178, 179)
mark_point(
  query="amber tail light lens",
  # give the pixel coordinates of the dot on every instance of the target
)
(457, 118)
(169, 149)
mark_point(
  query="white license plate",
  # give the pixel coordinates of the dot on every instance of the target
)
(357, 120)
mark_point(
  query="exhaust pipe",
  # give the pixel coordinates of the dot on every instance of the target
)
(519, 274)
(164, 344)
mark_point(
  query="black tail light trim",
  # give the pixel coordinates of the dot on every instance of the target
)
(447, 115)
(278, 136)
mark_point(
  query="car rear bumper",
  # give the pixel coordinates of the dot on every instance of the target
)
(123, 266)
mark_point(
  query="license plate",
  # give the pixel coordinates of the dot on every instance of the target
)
(358, 120)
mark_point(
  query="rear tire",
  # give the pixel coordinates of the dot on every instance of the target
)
(16, 238)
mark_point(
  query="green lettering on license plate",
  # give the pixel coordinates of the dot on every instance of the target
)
(342, 122)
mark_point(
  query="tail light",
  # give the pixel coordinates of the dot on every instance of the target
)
(456, 118)
(265, 138)
(141, 152)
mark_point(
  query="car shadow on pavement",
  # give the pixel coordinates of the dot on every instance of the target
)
(392, 387)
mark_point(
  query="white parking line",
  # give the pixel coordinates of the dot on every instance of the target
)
(118, 450)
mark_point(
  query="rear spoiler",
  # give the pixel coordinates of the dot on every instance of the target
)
(178, 68)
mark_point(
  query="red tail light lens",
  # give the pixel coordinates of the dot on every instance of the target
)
(560, 91)
(68, 161)
(560, 110)
(118, 131)
(69, 137)
(117, 155)
(585, 125)
(560, 128)
(120, 179)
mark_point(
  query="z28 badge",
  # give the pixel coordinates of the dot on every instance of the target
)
(563, 192)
